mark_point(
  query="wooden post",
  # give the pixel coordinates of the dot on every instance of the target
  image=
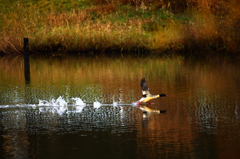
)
(26, 59)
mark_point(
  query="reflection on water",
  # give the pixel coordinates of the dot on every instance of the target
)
(84, 107)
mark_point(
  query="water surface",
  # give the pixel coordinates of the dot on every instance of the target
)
(83, 107)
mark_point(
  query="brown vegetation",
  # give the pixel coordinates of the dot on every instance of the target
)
(111, 26)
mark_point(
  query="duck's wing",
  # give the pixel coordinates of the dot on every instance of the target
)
(145, 89)
(144, 85)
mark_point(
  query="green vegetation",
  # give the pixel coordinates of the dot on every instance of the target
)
(101, 26)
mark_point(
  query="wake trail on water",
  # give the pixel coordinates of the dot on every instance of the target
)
(62, 103)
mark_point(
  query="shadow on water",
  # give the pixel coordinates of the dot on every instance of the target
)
(84, 106)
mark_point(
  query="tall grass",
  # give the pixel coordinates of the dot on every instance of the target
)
(126, 25)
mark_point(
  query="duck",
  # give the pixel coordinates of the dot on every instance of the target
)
(147, 96)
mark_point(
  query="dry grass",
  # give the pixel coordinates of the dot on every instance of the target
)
(107, 26)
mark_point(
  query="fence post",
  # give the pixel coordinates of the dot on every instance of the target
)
(26, 59)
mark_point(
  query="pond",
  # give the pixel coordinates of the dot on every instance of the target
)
(85, 107)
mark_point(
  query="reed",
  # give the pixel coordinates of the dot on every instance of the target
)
(95, 26)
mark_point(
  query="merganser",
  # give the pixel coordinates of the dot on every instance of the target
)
(147, 96)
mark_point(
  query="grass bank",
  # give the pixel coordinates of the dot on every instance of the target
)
(100, 26)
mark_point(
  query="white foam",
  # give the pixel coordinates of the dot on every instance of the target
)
(115, 103)
(43, 103)
(96, 104)
(134, 103)
(79, 102)
(79, 109)
(4, 106)
(58, 102)
(61, 109)
(54, 110)
(32, 105)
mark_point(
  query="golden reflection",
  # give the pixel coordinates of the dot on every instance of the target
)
(147, 112)
(119, 77)
(55, 69)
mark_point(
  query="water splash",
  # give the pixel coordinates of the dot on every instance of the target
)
(58, 102)
(61, 105)
(78, 102)
(79, 109)
(54, 110)
(115, 103)
(96, 104)
(4, 106)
